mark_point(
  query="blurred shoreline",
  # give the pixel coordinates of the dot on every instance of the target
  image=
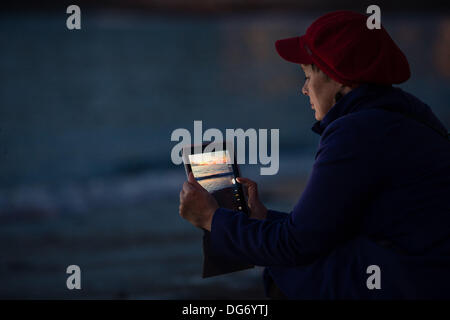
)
(34, 201)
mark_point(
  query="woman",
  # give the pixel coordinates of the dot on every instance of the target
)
(374, 219)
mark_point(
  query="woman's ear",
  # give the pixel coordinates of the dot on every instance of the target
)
(347, 88)
(344, 89)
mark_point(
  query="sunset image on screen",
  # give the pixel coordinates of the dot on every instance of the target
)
(213, 170)
(202, 159)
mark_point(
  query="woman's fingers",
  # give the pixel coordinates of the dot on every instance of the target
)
(251, 187)
(244, 180)
(250, 184)
(247, 182)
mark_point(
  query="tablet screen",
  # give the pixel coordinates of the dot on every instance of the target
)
(213, 170)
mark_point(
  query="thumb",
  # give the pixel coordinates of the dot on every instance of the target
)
(192, 180)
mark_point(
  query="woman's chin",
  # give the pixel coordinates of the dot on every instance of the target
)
(318, 118)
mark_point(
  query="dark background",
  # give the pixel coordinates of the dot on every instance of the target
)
(86, 118)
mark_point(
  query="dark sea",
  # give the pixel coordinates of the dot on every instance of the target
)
(86, 118)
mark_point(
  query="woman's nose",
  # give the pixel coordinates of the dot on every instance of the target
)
(304, 91)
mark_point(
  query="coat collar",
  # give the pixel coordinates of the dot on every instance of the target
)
(368, 96)
(351, 102)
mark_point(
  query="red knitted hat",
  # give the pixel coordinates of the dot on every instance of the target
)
(342, 46)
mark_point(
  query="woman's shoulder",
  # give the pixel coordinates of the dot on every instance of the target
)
(361, 124)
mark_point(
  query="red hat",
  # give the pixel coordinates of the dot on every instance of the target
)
(342, 46)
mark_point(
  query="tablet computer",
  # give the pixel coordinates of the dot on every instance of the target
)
(215, 168)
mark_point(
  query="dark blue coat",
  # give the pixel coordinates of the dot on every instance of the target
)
(378, 194)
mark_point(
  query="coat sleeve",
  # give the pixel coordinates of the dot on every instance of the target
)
(345, 175)
(275, 215)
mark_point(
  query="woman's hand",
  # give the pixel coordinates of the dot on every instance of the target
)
(196, 204)
(257, 209)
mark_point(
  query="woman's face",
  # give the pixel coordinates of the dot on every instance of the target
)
(320, 89)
